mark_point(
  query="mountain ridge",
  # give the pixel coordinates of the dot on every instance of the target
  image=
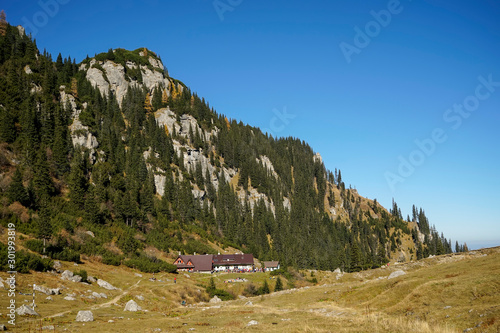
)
(116, 146)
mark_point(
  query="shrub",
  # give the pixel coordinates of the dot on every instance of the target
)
(82, 273)
(150, 265)
(222, 294)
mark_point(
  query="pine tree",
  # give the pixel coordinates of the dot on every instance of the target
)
(16, 191)
(279, 285)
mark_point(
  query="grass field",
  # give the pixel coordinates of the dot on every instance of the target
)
(450, 293)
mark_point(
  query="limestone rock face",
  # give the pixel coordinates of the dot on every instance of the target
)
(109, 76)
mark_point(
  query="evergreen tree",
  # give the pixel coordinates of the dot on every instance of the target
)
(279, 285)
(16, 190)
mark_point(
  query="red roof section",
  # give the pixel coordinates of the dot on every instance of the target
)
(201, 263)
(233, 259)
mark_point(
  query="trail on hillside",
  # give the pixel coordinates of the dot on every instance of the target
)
(98, 306)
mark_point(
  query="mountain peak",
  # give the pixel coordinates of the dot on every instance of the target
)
(118, 69)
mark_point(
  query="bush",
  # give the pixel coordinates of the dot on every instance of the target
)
(58, 252)
(82, 273)
(25, 261)
(222, 294)
(111, 259)
(150, 265)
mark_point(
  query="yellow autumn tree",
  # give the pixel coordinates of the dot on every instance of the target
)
(147, 103)
(164, 96)
(74, 87)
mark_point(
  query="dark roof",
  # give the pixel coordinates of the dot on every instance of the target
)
(201, 263)
(233, 259)
(271, 264)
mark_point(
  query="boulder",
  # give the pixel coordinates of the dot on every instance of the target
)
(91, 279)
(397, 273)
(76, 278)
(66, 275)
(57, 265)
(47, 291)
(85, 316)
(2, 327)
(25, 310)
(103, 295)
(105, 285)
(132, 306)
(215, 299)
(252, 322)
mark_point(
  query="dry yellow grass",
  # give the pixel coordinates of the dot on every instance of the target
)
(443, 294)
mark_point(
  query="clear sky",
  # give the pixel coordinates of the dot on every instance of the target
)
(402, 96)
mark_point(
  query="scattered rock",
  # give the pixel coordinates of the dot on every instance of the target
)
(2, 327)
(103, 295)
(70, 298)
(90, 233)
(187, 275)
(48, 328)
(138, 275)
(111, 321)
(85, 316)
(249, 303)
(25, 310)
(66, 275)
(140, 297)
(215, 299)
(91, 279)
(47, 291)
(49, 298)
(132, 306)
(76, 278)
(105, 285)
(447, 307)
(397, 273)
(57, 265)
(252, 322)
(96, 294)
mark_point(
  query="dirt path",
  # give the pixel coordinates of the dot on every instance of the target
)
(102, 305)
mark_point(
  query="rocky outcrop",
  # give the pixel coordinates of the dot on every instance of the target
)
(266, 162)
(80, 134)
(108, 76)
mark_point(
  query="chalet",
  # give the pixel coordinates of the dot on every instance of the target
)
(207, 263)
(271, 265)
(194, 263)
(233, 262)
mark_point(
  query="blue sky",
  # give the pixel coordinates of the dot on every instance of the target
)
(361, 82)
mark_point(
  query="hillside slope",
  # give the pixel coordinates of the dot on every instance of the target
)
(448, 293)
(112, 157)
